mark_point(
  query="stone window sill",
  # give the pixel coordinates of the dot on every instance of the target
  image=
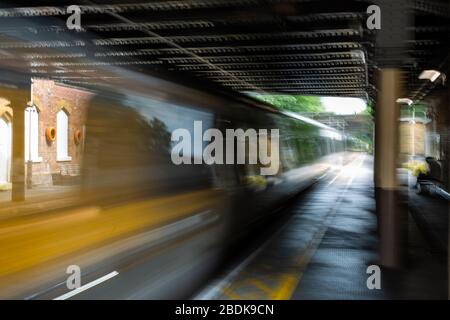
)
(35, 160)
(62, 159)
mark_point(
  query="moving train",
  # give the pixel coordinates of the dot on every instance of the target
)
(157, 228)
(127, 156)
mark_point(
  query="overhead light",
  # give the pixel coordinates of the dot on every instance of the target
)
(431, 75)
(404, 101)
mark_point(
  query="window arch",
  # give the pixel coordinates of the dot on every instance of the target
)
(62, 136)
(32, 134)
(5, 149)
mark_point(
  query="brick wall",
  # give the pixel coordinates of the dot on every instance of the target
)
(50, 97)
(406, 138)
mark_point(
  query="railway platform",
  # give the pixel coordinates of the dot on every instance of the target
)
(325, 247)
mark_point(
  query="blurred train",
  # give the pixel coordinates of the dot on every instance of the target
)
(127, 156)
(160, 227)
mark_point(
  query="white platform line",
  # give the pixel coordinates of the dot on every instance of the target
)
(87, 286)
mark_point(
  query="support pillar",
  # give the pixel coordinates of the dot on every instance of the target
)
(389, 211)
(18, 150)
(390, 52)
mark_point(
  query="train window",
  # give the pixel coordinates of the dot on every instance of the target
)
(129, 146)
(169, 117)
(249, 174)
(173, 116)
(289, 153)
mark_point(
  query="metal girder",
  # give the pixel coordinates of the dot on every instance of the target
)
(230, 37)
(124, 7)
(265, 66)
(318, 45)
(250, 49)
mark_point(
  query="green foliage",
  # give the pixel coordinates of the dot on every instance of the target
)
(294, 103)
(368, 110)
(416, 110)
(364, 137)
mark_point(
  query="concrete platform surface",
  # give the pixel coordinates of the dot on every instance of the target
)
(324, 249)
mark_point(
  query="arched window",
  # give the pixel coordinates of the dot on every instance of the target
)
(5, 150)
(62, 136)
(32, 134)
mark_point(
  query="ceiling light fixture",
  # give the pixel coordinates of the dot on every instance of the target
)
(404, 101)
(431, 75)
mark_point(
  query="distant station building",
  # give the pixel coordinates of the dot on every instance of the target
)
(412, 127)
(421, 131)
(53, 132)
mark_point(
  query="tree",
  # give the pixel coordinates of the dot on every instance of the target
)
(297, 104)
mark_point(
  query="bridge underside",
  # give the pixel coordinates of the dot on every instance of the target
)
(292, 47)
